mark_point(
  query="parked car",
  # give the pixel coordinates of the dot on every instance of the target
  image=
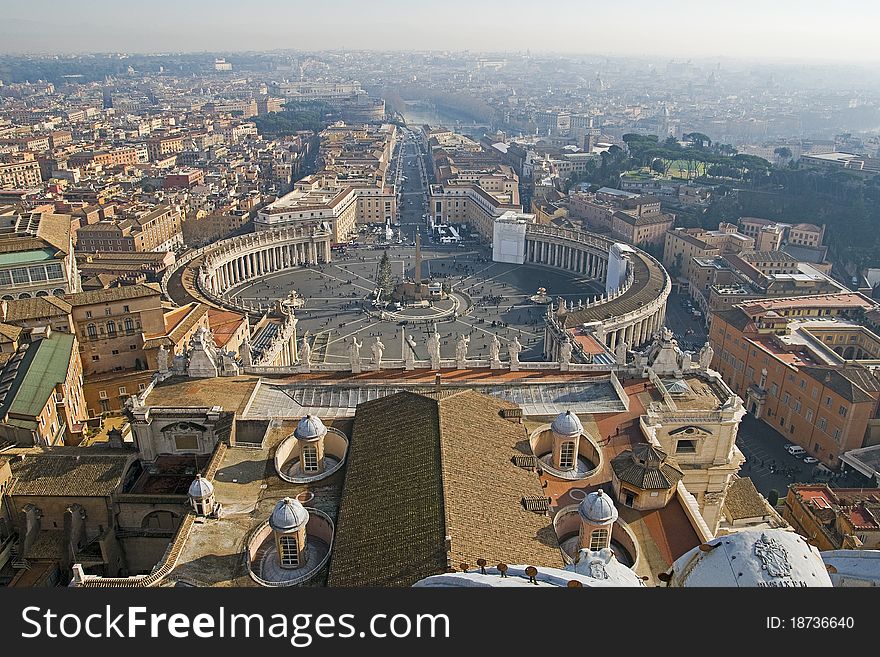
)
(796, 450)
(810, 459)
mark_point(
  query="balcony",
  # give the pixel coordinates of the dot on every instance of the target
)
(757, 393)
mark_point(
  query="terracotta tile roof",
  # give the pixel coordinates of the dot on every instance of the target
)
(36, 308)
(848, 381)
(744, 501)
(421, 469)
(55, 229)
(69, 472)
(9, 331)
(114, 294)
(224, 324)
(646, 467)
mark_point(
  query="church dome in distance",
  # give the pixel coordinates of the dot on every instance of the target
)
(289, 515)
(567, 424)
(597, 508)
(201, 488)
(310, 428)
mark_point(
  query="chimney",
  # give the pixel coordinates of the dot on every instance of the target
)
(4, 308)
(437, 378)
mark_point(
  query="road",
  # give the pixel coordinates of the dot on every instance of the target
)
(411, 179)
(772, 468)
(680, 320)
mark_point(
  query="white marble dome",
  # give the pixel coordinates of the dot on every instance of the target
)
(310, 428)
(289, 515)
(201, 488)
(758, 557)
(602, 565)
(567, 424)
(597, 508)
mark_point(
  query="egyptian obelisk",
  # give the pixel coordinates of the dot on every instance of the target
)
(417, 274)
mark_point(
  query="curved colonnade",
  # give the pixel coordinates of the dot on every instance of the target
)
(630, 316)
(246, 257)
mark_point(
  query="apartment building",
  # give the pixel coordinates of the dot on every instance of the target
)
(633, 218)
(682, 245)
(473, 185)
(349, 190)
(110, 326)
(24, 174)
(795, 363)
(137, 228)
(776, 234)
(41, 395)
(835, 518)
(721, 282)
(36, 256)
(112, 157)
(160, 147)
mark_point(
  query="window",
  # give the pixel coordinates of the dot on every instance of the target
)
(129, 323)
(809, 415)
(20, 275)
(186, 442)
(598, 539)
(774, 389)
(785, 398)
(102, 394)
(142, 386)
(823, 423)
(111, 329)
(310, 458)
(566, 455)
(828, 401)
(686, 447)
(837, 434)
(95, 359)
(842, 411)
(88, 314)
(108, 310)
(122, 390)
(802, 384)
(289, 552)
(92, 330)
(797, 405)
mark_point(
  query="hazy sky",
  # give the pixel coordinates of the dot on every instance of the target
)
(815, 29)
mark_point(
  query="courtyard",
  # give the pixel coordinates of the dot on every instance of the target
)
(491, 299)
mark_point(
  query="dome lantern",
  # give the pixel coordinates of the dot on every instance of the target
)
(288, 522)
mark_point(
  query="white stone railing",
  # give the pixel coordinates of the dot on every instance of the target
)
(367, 366)
(319, 525)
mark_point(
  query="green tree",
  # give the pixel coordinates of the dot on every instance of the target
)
(783, 153)
(384, 278)
(773, 497)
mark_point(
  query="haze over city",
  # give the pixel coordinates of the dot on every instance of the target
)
(461, 294)
(785, 29)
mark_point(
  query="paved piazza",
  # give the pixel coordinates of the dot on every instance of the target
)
(334, 294)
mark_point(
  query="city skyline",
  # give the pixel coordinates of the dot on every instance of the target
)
(750, 30)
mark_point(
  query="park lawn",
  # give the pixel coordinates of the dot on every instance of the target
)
(679, 169)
